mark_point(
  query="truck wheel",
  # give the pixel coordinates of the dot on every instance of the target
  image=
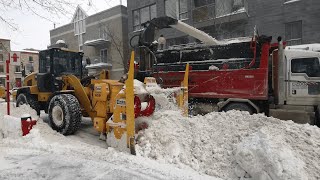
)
(239, 107)
(64, 114)
(29, 100)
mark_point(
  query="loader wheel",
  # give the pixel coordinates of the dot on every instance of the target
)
(29, 100)
(239, 107)
(64, 114)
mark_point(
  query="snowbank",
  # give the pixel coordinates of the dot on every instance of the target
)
(10, 126)
(265, 156)
(228, 145)
(46, 154)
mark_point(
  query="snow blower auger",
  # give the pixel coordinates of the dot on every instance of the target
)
(127, 107)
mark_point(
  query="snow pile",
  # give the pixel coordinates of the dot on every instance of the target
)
(46, 154)
(228, 145)
(10, 126)
(266, 156)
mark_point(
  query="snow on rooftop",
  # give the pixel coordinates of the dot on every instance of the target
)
(28, 51)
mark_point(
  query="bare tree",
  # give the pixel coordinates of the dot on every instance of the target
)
(118, 43)
(53, 7)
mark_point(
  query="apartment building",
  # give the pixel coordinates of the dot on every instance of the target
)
(295, 20)
(102, 37)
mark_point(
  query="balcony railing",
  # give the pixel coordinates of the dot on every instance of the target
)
(204, 13)
(212, 11)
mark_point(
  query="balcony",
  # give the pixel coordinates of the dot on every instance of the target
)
(220, 12)
(96, 42)
(204, 13)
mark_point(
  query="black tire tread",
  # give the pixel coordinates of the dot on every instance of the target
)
(71, 104)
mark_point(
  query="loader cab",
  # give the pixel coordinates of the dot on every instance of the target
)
(54, 63)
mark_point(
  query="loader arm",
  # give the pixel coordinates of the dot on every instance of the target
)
(81, 95)
(148, 33)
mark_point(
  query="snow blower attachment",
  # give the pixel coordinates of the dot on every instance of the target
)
(127, 107)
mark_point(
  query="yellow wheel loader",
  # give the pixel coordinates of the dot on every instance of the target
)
(60, 91)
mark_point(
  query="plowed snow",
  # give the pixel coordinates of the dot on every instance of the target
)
(228, 145)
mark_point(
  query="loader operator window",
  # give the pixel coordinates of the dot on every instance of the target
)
(309, 66)
(44, 60)
(65, 62)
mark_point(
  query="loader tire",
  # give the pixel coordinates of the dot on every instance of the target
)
(64, 114)
(239, 107)
(29, 100)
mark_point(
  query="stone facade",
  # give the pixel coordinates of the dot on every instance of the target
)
(296, 21)
(102, 37)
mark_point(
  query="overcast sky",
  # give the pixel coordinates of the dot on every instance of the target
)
(33, 31)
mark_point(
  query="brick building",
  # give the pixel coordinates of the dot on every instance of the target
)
(102, 37)
(19, 61)
(27, 61)
(295, 20)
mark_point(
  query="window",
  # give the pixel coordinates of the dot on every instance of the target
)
(104, 55)
(199, 3)
(309, 66)
(29, 68)
(143, 15)
(204, 10)
(103, 33)
(1, 69)
(18, 69)
(1, 57)
(80, 41)
(30, 59)
(79, 21)
(177, 9)
(2, 81)
(293, 32)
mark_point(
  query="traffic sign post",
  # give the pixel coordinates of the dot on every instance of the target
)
(8, 83)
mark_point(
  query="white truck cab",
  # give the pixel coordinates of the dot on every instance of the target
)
(296, 83)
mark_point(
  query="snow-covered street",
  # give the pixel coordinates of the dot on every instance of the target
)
(228, 145)
(46, 154)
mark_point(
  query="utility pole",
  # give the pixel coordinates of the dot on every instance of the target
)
(120, 2)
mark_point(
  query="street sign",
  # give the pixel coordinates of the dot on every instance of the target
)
(15, 58)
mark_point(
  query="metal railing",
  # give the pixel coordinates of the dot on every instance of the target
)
(208, 12)
(204, 13)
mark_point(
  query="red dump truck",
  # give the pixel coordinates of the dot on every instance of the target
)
(248, 74)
